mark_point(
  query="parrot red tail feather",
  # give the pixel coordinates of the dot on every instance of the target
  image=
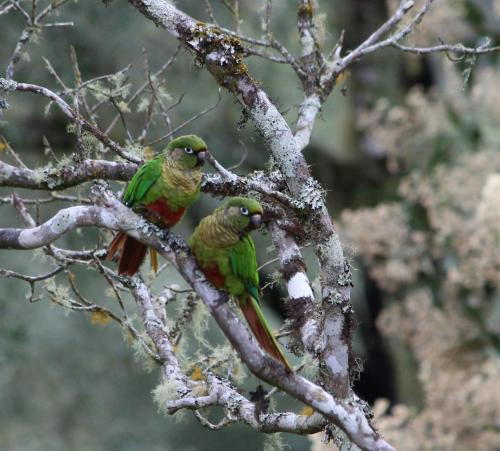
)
(255, 318)
(116, 246)
(132, 253)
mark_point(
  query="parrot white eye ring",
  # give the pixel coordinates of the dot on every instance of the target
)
(244, 211)
(188, 150)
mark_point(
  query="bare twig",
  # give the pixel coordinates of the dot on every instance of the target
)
(16, 55)
(141, 88)
(210, 12)
(187, 122)
(459, 49)
(72, 114)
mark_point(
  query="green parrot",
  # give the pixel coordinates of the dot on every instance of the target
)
(160, 190)
(226, 254)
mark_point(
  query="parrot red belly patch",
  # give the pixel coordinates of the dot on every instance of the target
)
(163, 210)
(213, 274)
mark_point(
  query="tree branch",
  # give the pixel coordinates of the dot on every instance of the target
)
(453, 48)
(220, 392)
(65, 176)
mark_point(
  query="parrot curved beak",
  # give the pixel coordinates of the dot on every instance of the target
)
(201, 157)
(256, 220)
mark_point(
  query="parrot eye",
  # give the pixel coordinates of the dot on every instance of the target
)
(188, 150)
(244, 211)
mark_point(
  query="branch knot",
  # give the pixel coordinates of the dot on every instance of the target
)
(7, 85)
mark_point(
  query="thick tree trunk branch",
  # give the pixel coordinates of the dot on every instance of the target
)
(300, 295)
(222, 57)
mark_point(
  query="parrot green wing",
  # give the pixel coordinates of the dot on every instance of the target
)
(244, 265)
(142, 181)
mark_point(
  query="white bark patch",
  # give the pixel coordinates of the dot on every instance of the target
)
(289, 252)
(335, 366)
(165, 13)
(298, 287)
(336, 353)
(305, 123)
(109, 220)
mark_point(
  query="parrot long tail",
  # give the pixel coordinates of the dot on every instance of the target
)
(253, 314)
(132, 253)
(153, 255)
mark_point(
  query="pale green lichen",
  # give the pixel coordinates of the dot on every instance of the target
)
(222, 54)
(312, 194)
(309, 367)
(163, 94)
(270, 249)
(340, 439)
(344, 279)
(271, 165)
(165, 391)
(141, 355)
(7, 85)
(274, 442)
(233, 404)
(123, 106)
(335, 297)
(224, 361)
(98, 91)
(142, 105)
(127, 325)
(90, 143)
(39, 174)
(220, 353)
(135, 149)
(274, 279)
(118, 79)
(59, 294)
(238, 371)
(200, 324)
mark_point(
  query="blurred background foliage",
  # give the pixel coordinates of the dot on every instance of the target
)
(407, 149)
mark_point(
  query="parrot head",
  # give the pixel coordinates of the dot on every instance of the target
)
(188, 152)
(244, 214)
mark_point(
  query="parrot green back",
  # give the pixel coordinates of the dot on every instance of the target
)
(159, 178)
(143, 180)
